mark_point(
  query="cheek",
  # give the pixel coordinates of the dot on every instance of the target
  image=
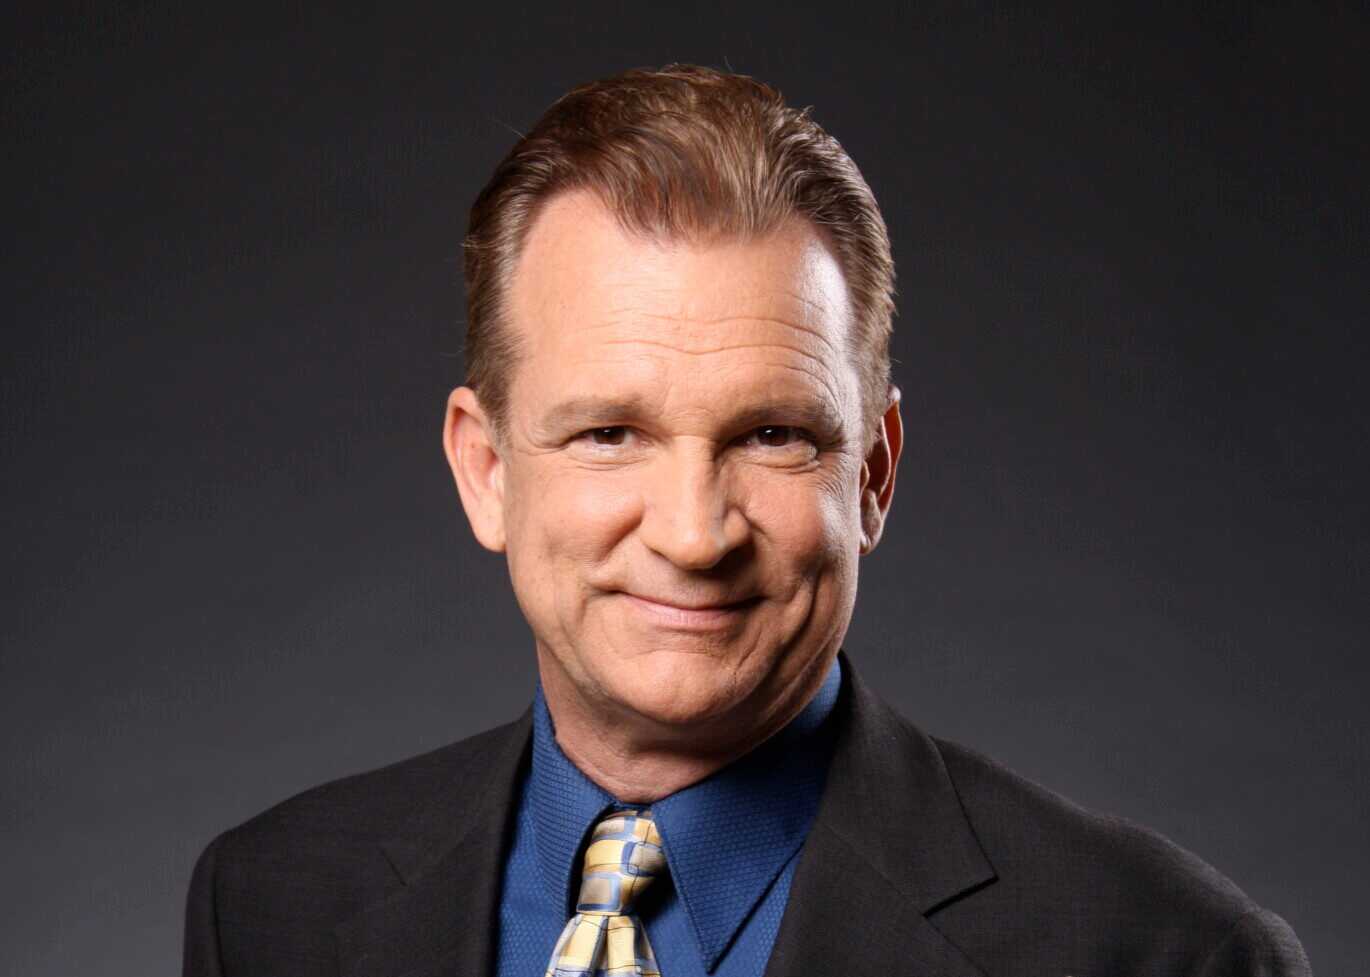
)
(569, 516)
(561, 526)
(812, 529)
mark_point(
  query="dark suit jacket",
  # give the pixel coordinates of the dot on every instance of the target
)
(925, 859)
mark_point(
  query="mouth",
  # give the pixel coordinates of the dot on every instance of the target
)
(681, 616)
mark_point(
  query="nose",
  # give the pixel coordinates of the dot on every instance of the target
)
(689, 517)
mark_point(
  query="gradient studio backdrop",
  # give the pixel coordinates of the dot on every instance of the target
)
(1129, 547)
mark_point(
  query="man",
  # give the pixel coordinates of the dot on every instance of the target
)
(679, 429)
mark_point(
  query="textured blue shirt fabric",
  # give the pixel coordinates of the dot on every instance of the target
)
(731, 843)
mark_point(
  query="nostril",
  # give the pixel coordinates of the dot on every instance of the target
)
(690, 520)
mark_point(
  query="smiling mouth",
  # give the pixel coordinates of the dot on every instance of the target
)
(682, 617)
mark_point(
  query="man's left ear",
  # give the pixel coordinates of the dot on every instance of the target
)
(877, 473)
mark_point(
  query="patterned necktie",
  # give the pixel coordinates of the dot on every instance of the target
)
(603, 938)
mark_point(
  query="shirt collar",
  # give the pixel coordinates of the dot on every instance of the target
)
(763, 802)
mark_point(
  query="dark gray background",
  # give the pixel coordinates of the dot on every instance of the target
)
(1128, 553)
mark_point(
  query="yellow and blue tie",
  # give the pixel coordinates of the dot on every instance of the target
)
(604, 938)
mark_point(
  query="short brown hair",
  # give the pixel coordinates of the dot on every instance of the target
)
(684, 153)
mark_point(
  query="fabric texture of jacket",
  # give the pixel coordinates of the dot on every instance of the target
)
(925, 859)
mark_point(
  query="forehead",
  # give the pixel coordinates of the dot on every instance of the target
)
(594, 306)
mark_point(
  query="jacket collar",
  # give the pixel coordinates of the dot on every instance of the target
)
(889, 845)
(449, 856)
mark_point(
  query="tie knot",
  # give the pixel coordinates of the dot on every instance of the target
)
(623, 858)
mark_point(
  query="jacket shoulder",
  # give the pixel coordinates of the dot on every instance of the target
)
(367, 807)
(1031, 831)
(268, 894)
(1100, 890)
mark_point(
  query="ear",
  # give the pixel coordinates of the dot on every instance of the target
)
(469, 441)
(877, 473)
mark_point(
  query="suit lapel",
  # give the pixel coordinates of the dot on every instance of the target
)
(889, 845)
(449, 857)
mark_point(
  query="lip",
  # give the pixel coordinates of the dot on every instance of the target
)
(682, 617)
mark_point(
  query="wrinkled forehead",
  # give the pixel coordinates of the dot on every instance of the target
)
(583, 281)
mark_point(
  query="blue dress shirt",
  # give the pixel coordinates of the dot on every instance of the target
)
(731, 843)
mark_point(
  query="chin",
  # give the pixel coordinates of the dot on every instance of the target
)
(679, 689)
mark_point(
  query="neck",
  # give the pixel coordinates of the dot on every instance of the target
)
(639, 760)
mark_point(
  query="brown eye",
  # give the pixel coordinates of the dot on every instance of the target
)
(608, 435)
(775, 435)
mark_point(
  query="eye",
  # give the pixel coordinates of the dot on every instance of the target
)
(779, 435)
(606, 435)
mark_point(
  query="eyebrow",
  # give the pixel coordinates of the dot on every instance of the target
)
(583, 413)
(587, 412)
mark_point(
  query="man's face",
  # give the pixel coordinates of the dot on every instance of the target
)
(681, 476)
